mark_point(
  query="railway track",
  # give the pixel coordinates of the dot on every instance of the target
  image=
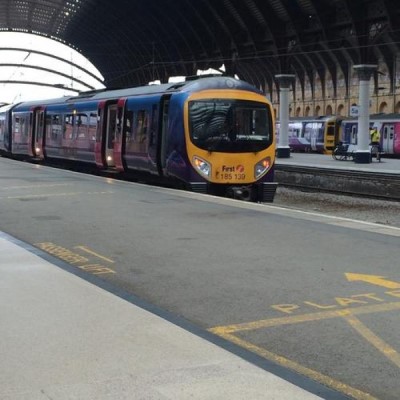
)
(363, 184)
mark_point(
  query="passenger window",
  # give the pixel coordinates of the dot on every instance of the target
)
(128, 126)
(81, 121)
(68, 126)
(142, 126)
(53, 126)
(92, 126)
(153, 125)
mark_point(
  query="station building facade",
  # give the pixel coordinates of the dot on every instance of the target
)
(317, 93)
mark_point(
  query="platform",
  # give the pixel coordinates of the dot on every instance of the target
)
(65, 338)
(173, 294)
(386, 165)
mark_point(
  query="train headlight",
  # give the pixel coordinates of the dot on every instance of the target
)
(109, 158)
(262, 167)
(202, 166)
(37, 150)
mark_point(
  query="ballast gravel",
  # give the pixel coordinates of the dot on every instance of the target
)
(363, 209)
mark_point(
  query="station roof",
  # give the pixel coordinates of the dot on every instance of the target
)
(133, 42)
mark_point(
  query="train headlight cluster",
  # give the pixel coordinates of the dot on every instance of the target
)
(202, 166)
(262, 167)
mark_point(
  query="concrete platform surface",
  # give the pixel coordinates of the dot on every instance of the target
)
(64, 338)
(387, 165)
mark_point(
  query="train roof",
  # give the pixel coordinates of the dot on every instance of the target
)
(321, 118)
(6, 107)
(26, 105)
(190, 84)
(376, 117)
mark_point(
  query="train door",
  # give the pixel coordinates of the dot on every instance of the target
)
(119, 136)
(38, 133)
(312, 133)
(110, 134)
(388, 138)
(329, 136)
(104, 149)
(27, 127)
(163, 134)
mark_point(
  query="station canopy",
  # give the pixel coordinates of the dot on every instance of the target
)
(133, 42)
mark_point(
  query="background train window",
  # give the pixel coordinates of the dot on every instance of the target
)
(353, 138)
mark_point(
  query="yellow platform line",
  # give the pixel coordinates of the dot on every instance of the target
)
(93, 253)
(315, 375)
(297, 319)
(376, 341)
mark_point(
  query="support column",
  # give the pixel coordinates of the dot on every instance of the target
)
(285, 81)
(363, 153)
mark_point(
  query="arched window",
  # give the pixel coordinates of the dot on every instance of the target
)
(298, 111)
(328, 110)
(397, 108)
(340, 109)
(383, 107)
(317, 111)
(307, 111)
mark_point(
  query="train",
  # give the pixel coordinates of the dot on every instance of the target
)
(212, 135)
(322, 134)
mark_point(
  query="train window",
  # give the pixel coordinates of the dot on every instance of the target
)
(141, 126)
(153, 124)
(48, 126)
(128, 126)
(68, 126)
(53, 126)
(111, 125)
(82, 123)
(40, 125)
(17, 124)
(92, 126)
(353, 138)
(23, 127)
(331, 130)
(230, 125)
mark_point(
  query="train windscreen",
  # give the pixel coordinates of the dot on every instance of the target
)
(230, 125)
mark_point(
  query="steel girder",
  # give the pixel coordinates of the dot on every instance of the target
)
(133, 42)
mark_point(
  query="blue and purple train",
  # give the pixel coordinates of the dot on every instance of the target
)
(215, 135)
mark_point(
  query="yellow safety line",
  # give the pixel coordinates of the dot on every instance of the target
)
(87, 250)
(323, 379)
(377, 342)
(296, 319)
